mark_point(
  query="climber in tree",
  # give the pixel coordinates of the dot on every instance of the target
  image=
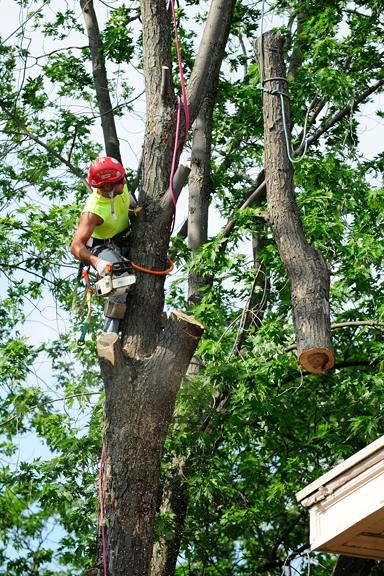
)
(101, 237)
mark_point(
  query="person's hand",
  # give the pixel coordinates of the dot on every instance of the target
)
(103, 267)
(136, 211)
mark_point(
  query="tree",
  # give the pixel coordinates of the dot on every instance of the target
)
(249, 429)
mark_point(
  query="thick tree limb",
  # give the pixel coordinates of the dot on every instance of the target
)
(175, 491)
(157, 56)
(151, 236)
(160, 118)
(178, 343)
(305, 266)
(179, 180)
(210, 53)
(204, 76)
(200, 188)
(111, 141)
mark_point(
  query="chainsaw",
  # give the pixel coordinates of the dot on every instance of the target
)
(117, 280)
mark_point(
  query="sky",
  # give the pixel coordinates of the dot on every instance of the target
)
(46, 320)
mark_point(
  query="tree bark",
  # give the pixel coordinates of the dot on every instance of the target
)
(142, 372)
(175, 490)
(210, 53)
(199, 191)
(175, 501)
(150, 237)
(254, 310)
(111, 141)
(140, 397)
(350, 566)
(306, 268)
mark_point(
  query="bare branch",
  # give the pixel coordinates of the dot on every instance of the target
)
(26, 270)
(57, 51)
(357, 323)
(111, 140)
(210, 54)
(339, 116)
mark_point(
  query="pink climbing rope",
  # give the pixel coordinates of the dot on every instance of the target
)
(101, 515)
(181, 73)
(186, 115)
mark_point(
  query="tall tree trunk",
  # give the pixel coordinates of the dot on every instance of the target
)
(143, 372)
(175, 489)
(140, 397)
(306, 268)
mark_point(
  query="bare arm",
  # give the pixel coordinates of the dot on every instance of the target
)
(85, 228)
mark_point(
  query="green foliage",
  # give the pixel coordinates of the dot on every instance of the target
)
(118, 37)
(31, 94)
(64, 23)
(251, 429)
(69, 71)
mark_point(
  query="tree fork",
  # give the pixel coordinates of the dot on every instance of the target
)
(306, 268)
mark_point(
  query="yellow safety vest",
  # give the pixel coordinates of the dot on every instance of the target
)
(112, 223)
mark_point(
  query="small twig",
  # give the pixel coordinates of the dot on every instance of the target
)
(354, 323)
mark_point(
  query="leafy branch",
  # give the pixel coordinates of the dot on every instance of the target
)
(27, 132)
(47, 403)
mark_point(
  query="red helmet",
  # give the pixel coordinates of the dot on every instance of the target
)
(104, 170)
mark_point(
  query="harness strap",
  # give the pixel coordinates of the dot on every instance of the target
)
(119, 240)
